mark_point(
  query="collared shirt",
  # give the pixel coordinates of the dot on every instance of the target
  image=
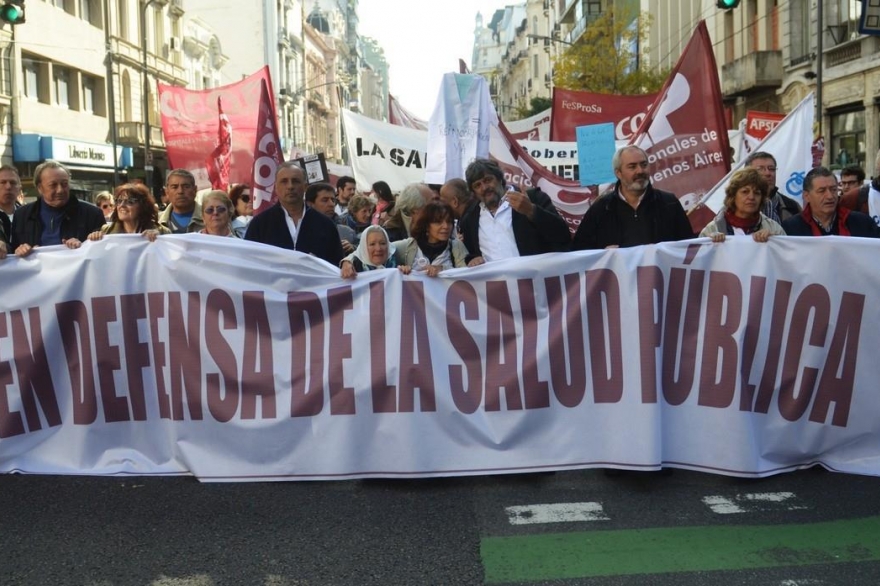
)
(293, 226)
(497, 241)
(626, 201)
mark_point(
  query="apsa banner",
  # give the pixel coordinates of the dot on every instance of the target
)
(234, 361)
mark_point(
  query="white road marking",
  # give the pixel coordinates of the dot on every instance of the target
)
(556, 513)
(752, 502)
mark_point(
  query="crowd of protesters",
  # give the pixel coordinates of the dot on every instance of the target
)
(424, 229)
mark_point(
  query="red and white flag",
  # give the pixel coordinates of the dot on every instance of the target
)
(267, 153)
(685, 132)
(400, 116)
(219, 159)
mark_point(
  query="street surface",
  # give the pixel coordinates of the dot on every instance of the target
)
(809, 528)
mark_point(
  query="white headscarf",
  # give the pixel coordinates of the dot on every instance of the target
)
(362, 252)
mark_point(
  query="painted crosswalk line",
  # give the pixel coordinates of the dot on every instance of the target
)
(555, 513)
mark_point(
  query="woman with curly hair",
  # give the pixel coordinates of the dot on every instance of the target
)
(745, 195)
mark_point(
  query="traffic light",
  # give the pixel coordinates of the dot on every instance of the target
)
(727, 4)
(12, 11)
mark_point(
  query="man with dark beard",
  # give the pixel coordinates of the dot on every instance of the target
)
(634, 212)
(508, 223)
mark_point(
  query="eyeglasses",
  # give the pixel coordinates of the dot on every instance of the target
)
(216, 210)
(131, 201)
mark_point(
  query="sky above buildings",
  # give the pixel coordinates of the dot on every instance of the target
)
(422, 41)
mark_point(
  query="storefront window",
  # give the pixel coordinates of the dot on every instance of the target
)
(848, 138)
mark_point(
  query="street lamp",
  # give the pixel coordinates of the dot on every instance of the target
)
(148, 156)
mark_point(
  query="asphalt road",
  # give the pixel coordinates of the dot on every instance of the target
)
(809, 528)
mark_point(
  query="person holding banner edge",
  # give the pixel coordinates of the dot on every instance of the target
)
(744, 197)
(633, 213)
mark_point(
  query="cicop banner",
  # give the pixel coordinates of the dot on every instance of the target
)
(190, 121)
(234, 361)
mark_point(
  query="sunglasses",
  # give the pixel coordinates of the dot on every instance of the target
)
(245, 197)
(106, 206)
(131, 201)
(216, 210)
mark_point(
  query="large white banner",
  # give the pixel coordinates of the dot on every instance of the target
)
(234, 361)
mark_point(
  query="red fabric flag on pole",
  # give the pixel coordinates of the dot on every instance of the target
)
(400, 116)
(267, 153)
(190, 127)
(685, 133)
(218, 162)
(572, 108)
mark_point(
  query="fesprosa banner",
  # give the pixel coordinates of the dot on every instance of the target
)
(233, 361)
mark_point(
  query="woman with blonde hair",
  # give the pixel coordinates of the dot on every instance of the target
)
(217, 213)
(745, 195)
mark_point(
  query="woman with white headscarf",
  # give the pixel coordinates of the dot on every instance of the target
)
(373, 252)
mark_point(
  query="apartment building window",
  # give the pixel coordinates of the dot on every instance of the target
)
(848, 137)
(843, 20)
(122, 19)
(85, 10)
(6, 70)
(68, 6)
(61, 79)
(752, 24)
(31, 72)
(88, 90)
(800, 31)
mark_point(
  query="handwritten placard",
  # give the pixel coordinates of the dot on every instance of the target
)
(595, 149)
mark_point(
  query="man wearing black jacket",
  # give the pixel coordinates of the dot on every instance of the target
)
(56, 217)
(634, 213)
(508, 223)
(823, 214)
(289, 224)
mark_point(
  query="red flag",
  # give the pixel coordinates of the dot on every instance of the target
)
(684, 133)
(189, 124)
(218, 161)
(267, 153)
(400, 116)
(573, 108)
(462, 67)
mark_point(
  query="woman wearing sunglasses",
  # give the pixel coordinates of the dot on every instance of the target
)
(135, 213)
(217, 213)
(243, 205)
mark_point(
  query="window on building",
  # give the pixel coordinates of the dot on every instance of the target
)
(848, 137)
(843, 20)
(85, 10)
(6, 70)
(61, 81)
(800, 31)
(126, 98)
(88, 92)
(122, 19)
(31, 79)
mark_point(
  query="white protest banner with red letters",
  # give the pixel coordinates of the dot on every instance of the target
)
(235, 361)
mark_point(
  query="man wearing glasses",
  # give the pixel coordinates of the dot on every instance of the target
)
(779, 206)
(861, 197)
(183, 213)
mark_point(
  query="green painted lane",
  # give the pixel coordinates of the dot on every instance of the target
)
(681, 549)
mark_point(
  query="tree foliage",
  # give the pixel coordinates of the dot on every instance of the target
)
(536, 105)
(605, 58)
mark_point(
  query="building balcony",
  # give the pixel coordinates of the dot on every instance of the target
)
(159, 66)
(566, 11)
(755, 71)
(131, 134)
